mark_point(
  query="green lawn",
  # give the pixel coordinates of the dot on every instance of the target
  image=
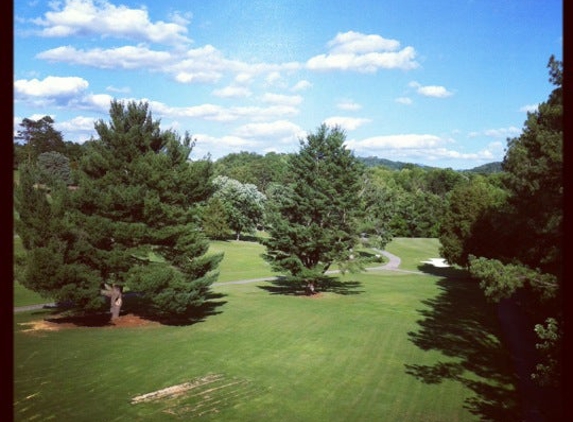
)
(390, 347)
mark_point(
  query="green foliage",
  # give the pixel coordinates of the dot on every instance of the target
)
(138, 193)
(313, 221)
(214, 220)
(469, 207)
(252, 168)
(533, 168)
(500, 280)
(39, 136)
(244, 205)
(54, 166)
(550, 346)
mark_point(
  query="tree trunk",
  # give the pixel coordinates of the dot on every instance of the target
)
(310, 287)
(115, 301)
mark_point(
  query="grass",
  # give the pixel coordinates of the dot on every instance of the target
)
(394, 347)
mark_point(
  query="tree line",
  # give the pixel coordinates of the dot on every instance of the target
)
(131, 209)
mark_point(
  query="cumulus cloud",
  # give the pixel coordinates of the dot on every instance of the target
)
(348, 106)
(404, 100)
(279, 129)
(301, 86)
(127, 57)
(205, 64)
(89, 17)
(401, 141)
(502, 132)
(346, 123)
(51, 87)
(232, 91)
(435, 91)
(529, 108)
(354, 51)
(290, 100)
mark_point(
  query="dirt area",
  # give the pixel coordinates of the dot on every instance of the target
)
(62, 323)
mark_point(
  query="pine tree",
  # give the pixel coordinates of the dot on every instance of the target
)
(313, 221)
(133, 220)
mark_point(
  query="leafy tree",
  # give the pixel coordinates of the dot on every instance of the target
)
(252, 168)
(40, 136)
(313, 221)
(243, 203)
(530, 227)
(133, 221)
(469, 207)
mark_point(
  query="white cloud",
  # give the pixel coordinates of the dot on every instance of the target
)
(404, 100)
(232, 91)
(205, 64)
(127, 57)
(291, 100)
(354, 51)
(357, 43)
(435, 91)
(402, 141)
(348, 106)
(502, 132)
(89, 17)
(301, 86)
(51, 86)
(79, 123)
(530, 108)
(346, 123)
(122, 90)
(268, 131)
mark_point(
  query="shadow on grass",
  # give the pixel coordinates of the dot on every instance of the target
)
(461, 325)
(137, 305)
(446, 272)
(296, 287)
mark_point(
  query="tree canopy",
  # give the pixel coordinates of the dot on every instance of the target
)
(313, 220)
(133, 221)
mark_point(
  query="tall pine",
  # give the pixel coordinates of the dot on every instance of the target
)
(134, 219)
(313, 221)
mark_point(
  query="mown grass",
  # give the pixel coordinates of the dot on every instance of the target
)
(393, 347)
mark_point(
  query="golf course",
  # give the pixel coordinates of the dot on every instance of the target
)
(418, 343)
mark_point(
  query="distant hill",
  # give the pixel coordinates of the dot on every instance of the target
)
(489, 168)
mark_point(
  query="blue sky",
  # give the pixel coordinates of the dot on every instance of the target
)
(441, 83)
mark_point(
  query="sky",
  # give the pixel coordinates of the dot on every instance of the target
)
(442, 83)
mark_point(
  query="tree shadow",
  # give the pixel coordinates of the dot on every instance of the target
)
(137, 305)
(291, 286)
(461, 325)
(446, 272)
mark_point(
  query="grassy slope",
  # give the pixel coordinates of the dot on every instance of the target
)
(396, 347)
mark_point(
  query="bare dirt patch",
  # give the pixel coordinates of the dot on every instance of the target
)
(58, 323)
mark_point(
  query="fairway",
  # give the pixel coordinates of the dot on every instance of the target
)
(384, 346)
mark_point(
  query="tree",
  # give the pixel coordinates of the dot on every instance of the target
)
(214, 220)
(40, 136)
(530, 225)
(243, 203)
(133, 222)
(54, 166)
(313, 221)
(470, 206)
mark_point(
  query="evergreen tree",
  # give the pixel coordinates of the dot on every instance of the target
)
(313, 220)
(134, 218)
